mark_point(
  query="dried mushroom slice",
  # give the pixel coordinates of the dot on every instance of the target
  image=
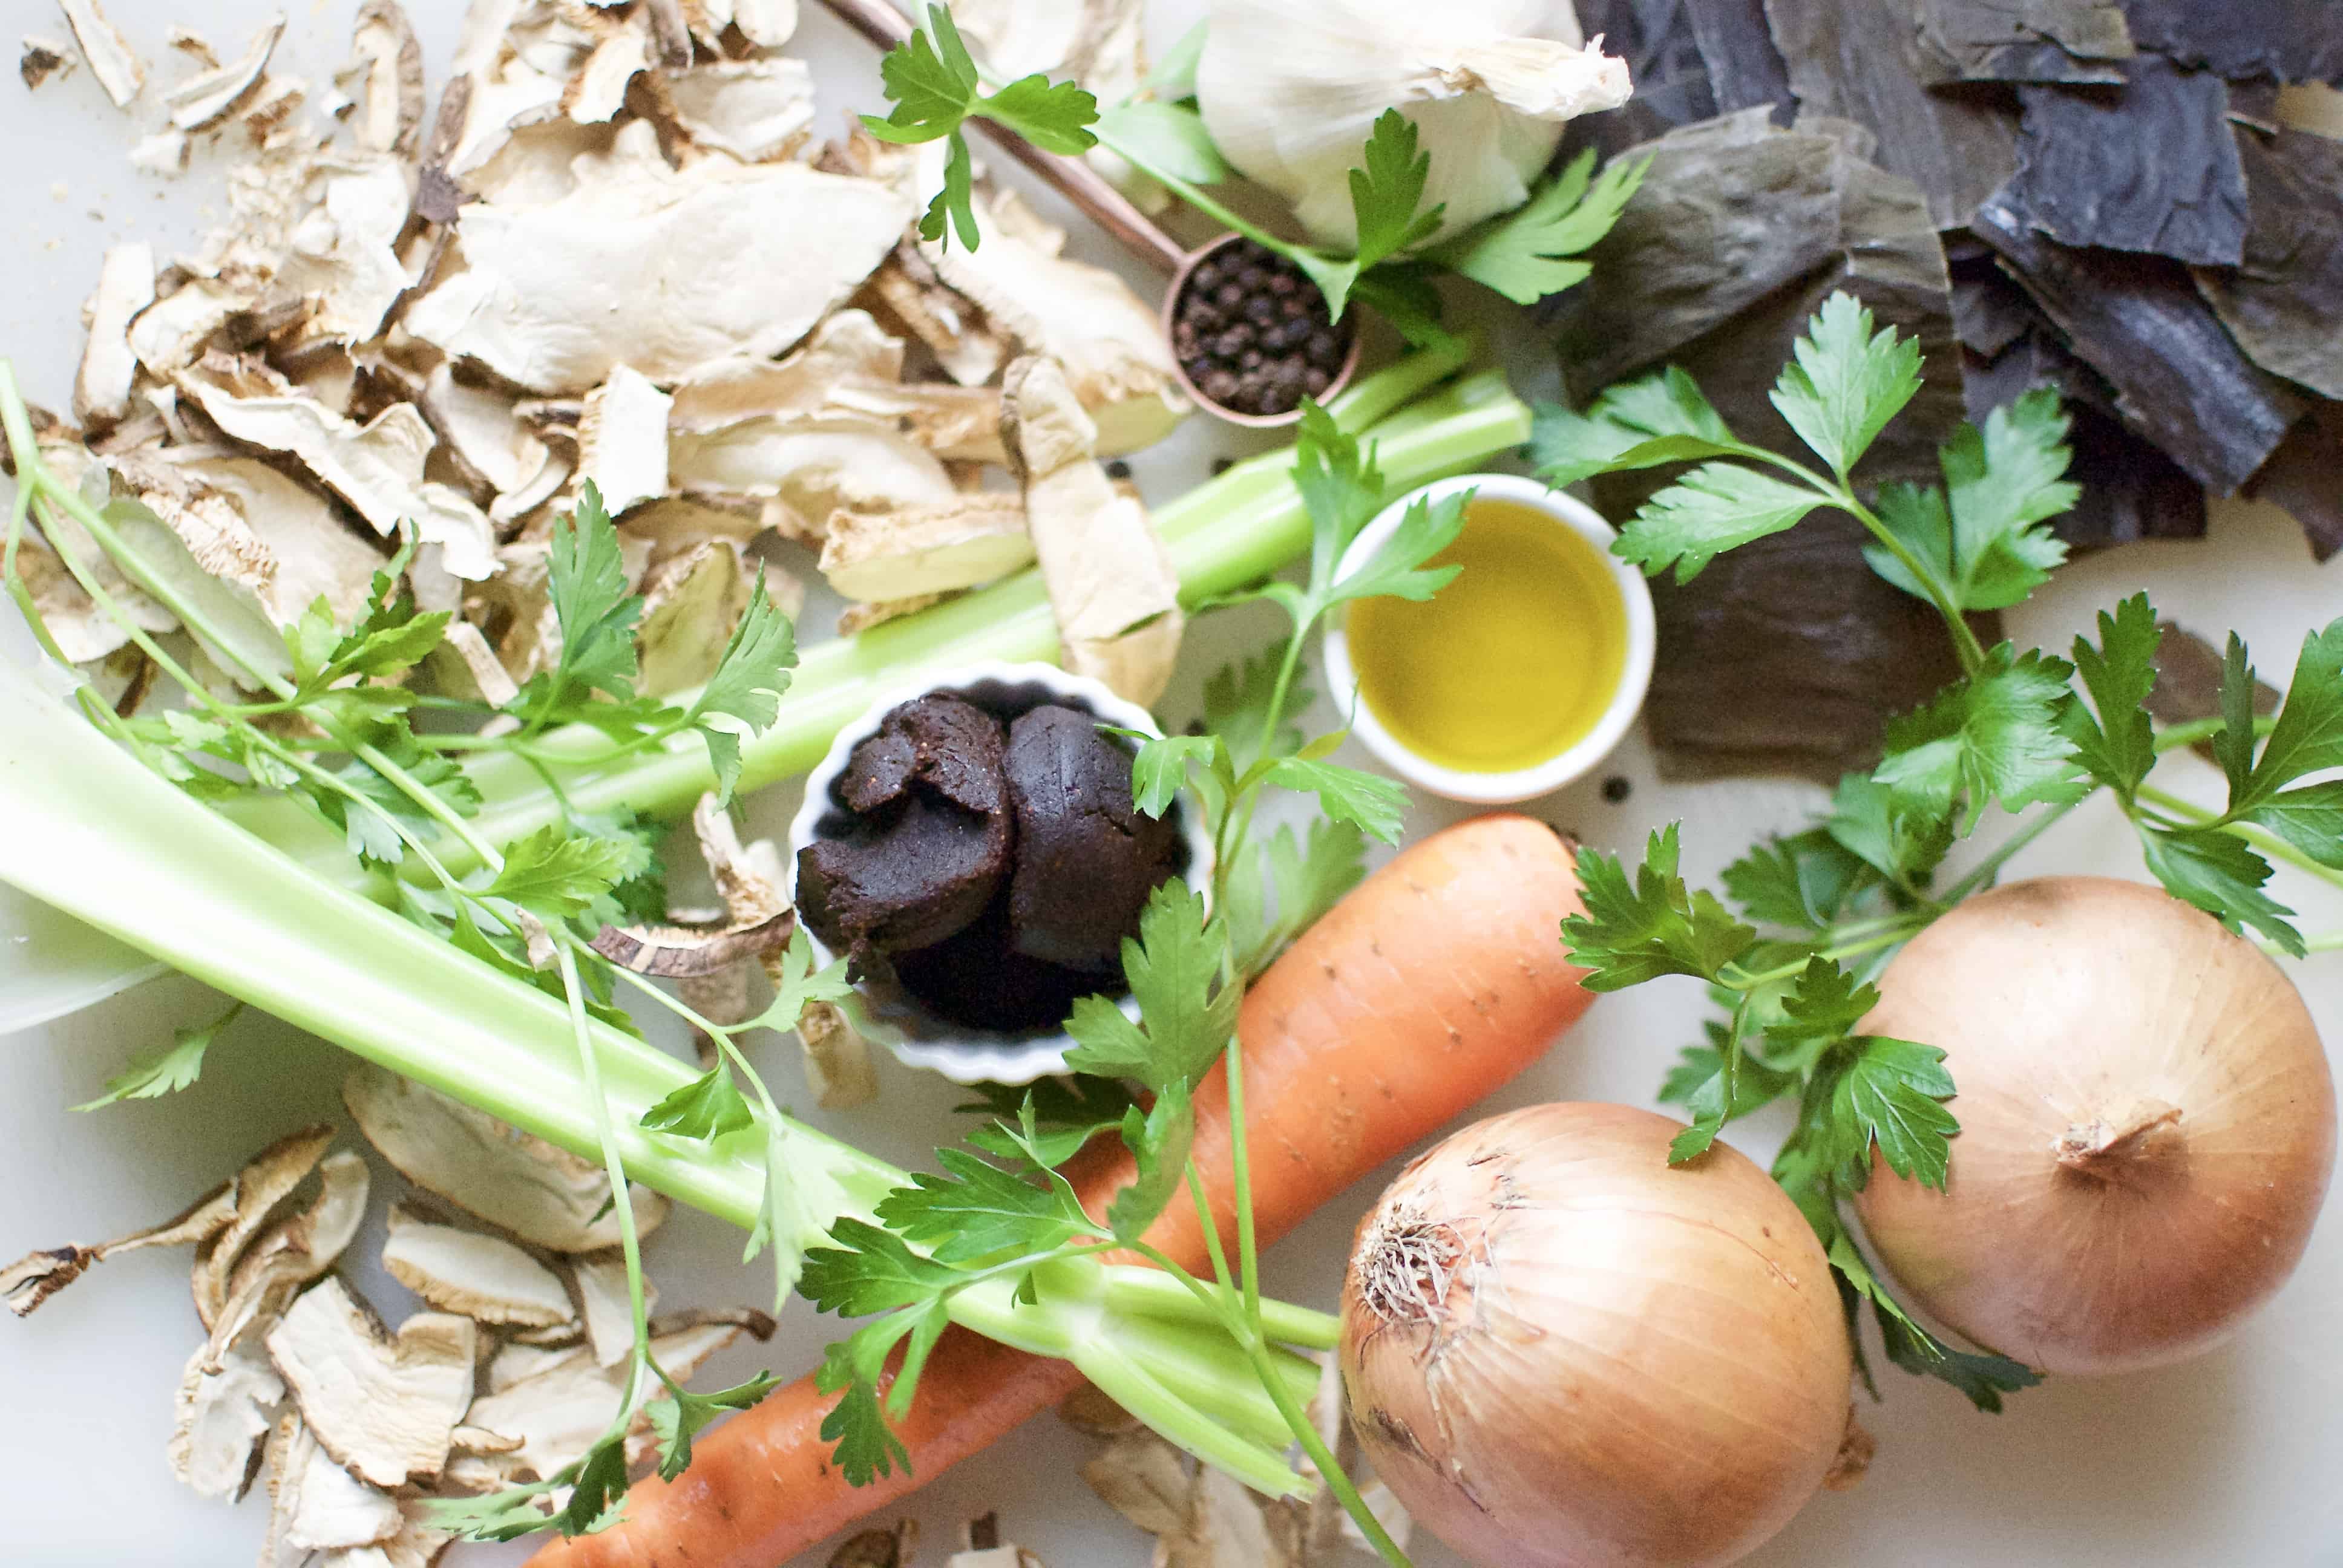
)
(838, 1064)
(896, 1548)
(315, 1504)
(116, 66)
(386, 1407)
(1112, 586)
(266, 1182)
(385, 80)
(622, 440)
(857, 618)
(35, 1277)
(485, 1278)
(109, 365)
(691, 602)
(906, 551)
(43, 58)
(289, 1254)
(544, 1195)
(751, 110)
(220, 1414)
(815, 467)
(554, 296)
(209, 96)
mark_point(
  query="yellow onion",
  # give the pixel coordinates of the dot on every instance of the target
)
(1560, 1353)
(2147, 1125)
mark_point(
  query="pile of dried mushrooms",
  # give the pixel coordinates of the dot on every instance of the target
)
(512, 1369)
(615, 251)
(2138, 201)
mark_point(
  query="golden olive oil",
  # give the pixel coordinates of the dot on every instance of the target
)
(1511, 664)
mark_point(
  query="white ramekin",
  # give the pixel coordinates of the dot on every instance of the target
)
(917, 1038)
(1634, 675)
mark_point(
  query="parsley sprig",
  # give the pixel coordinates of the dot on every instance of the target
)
(999, 1228)
(935, 87)
(1790, 951)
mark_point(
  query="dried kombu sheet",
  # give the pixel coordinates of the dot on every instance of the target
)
(1990, 312)
(1737, 219)
(2291, 40)
(2022, 40)
(2284, 302)
(1788, 655)
(1861, 60)
(2179, 378)
(1745, 69)
(2151, 166)
(2300, 478)
(2130, 490)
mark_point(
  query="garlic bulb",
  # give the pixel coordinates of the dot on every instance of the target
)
(1290, 89)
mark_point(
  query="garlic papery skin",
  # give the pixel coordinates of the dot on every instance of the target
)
(1290, 88)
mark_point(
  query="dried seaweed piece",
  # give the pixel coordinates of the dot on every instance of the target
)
(2022, 41)
(2188, 680)
(2131, 491)
(1990, 312)
(1672, 86)
(2283, 301)
(1788, 654)
(1861, 61)
(2301, 479)
(2152, 166)
(2179, 378)
(2292, 40)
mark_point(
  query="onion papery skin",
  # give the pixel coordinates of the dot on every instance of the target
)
(1561, 1353)
(2147, 1126)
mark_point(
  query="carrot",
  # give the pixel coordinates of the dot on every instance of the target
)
(1423, 992)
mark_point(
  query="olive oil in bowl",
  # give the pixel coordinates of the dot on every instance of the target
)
(1523, 671)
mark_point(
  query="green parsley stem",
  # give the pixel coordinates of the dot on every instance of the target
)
(1240, 1177)
(622, 1203)
(2269, 843)
(2172, 737)
(1210, 1231)
(1985, 870)
(1904, 927)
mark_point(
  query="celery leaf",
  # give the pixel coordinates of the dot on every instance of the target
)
(555, 876)
(587, 580)
(1375, 805)
(1401, 569)
(1387, 189)
(747, 687)
(1663, 417)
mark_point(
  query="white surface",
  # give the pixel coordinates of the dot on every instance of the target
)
(1556, 772)
(2229, 1459)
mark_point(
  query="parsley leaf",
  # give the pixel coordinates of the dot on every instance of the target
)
(1806, 881)
(1055, 117)
(708, 1108)
(167, 1071)
(1888, 1094)
(2221, 875)
(746, 686)
(1369, 801)
(2118, 745)
(1717, 508)
(683, 1416)
(1048, 1123)
(1174, 969)
(1160, 768)
(1307, 876)
(1984, 538)
(1159, 1141)
(930, 80)
(2310, 819)
(1398, 570)
(1663, 417)
(1903, 844)
(587, 580)
(1530, 252)
(1387, 189)
(1846, 381)
(798, 985)
(2309, 735)
(1994, 736)
(1655, 926)
(555, 876)
(974, 1210)
(1982, 1378)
